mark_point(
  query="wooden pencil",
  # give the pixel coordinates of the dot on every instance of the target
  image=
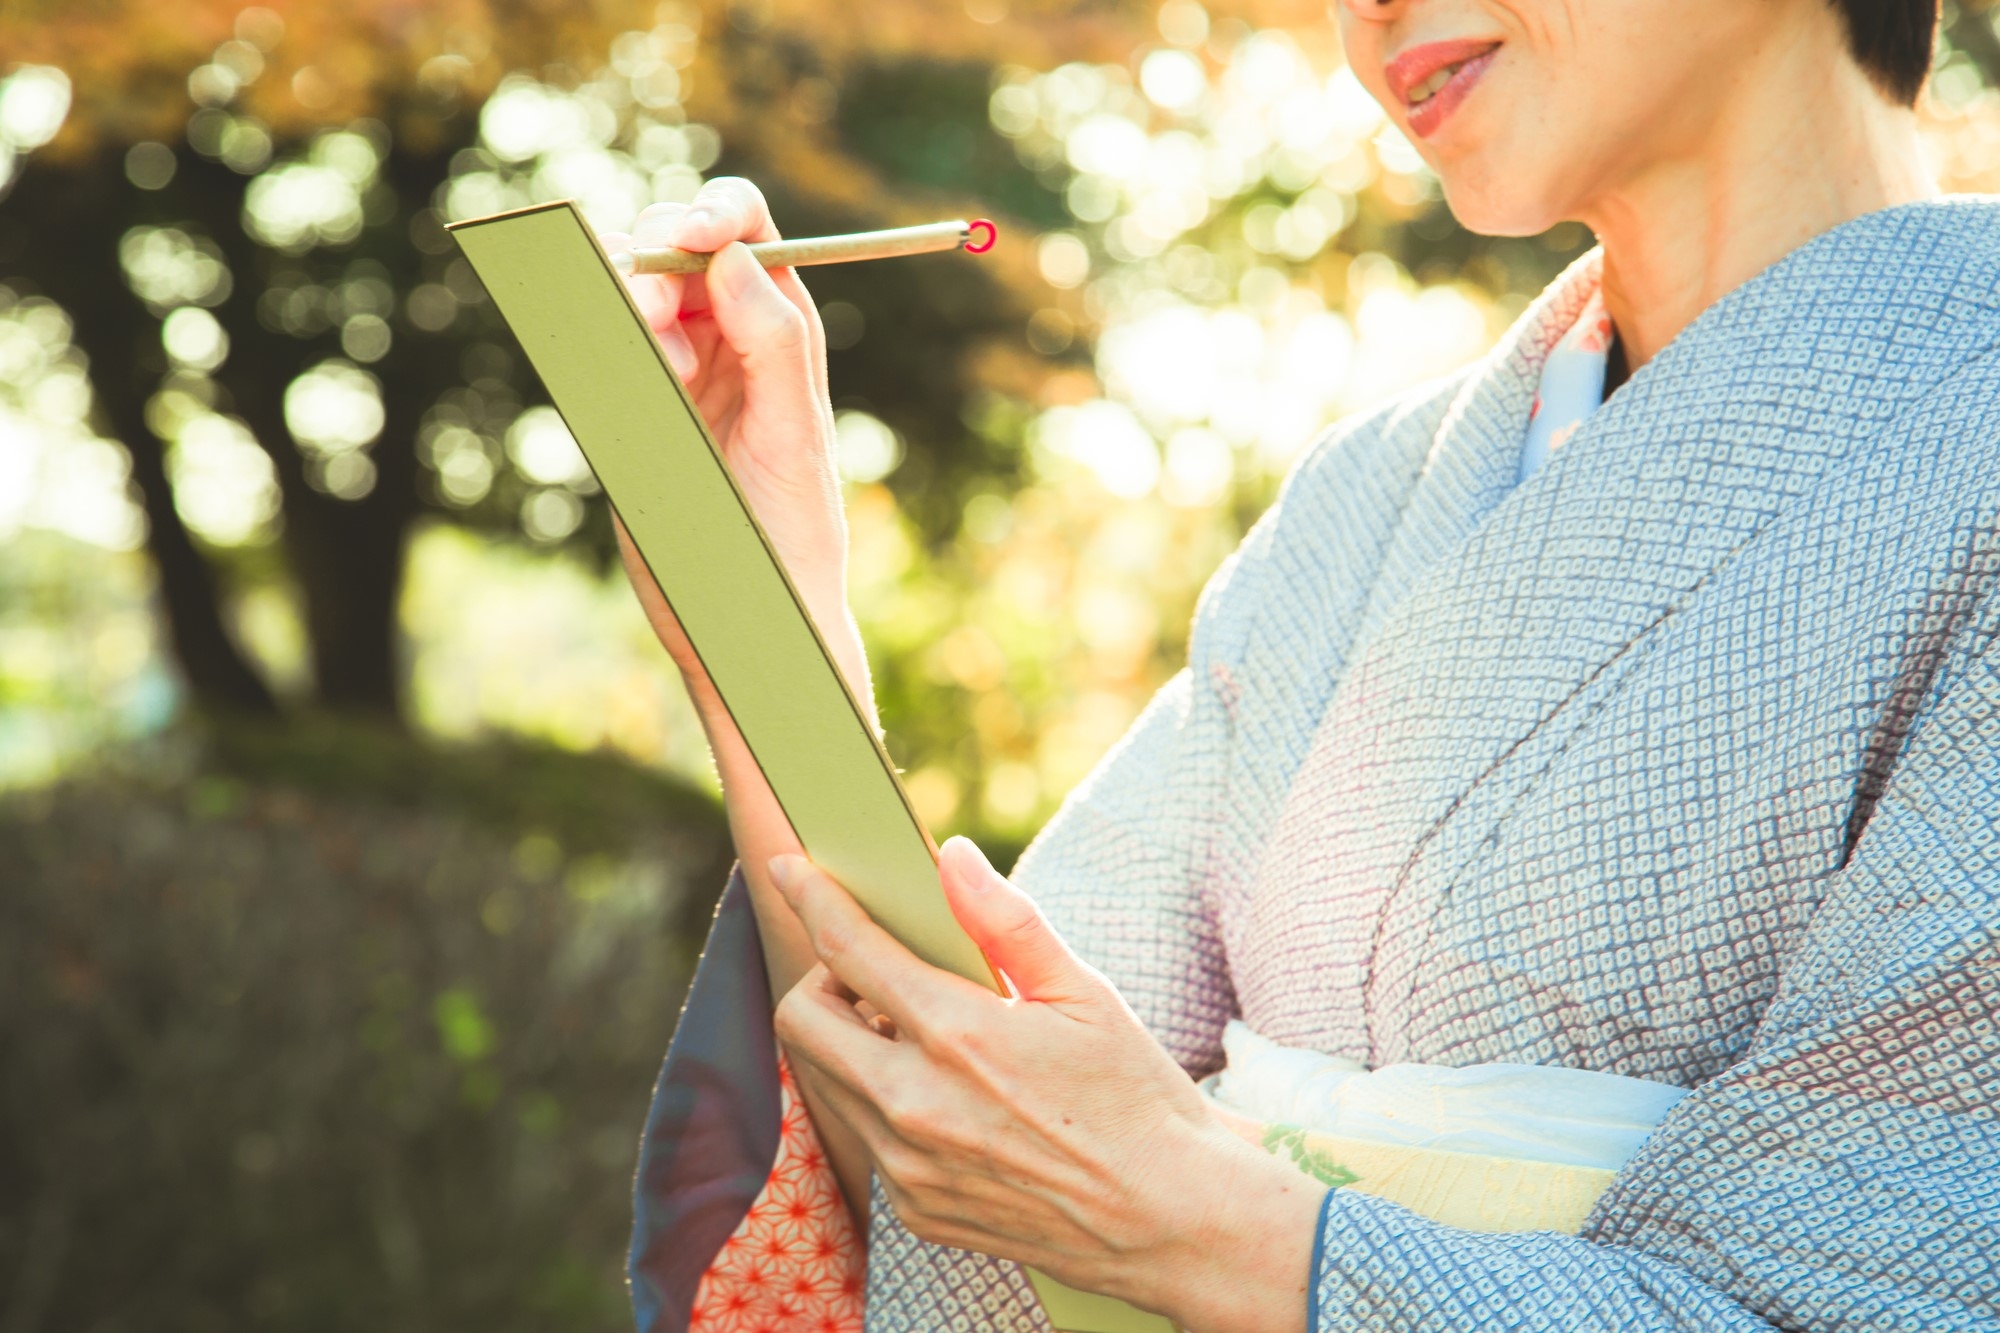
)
(823, 249)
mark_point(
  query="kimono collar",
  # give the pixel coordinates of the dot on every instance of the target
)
(1768, 386)
(1572, 385)
(1506, 607)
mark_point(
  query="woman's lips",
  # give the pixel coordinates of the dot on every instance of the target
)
(1412, 71)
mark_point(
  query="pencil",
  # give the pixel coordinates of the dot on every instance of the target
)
(824, 249)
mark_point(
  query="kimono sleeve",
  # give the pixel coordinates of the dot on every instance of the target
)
(1842, 1175)
(1131, 868)
(1117, 873)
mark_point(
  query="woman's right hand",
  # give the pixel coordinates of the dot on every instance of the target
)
(748, 344)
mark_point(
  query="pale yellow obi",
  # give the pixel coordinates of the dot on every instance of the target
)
(1485, 1148)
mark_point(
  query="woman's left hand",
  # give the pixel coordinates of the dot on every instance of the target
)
(1049, 1128)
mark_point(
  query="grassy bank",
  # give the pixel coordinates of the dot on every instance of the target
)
(325, 1029)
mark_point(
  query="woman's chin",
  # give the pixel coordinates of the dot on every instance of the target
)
(1488, 208)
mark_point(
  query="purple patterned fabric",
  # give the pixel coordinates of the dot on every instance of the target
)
(712, 1132)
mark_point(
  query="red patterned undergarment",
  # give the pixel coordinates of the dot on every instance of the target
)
(796, 1263)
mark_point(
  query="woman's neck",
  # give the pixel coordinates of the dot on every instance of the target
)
(1789, 155)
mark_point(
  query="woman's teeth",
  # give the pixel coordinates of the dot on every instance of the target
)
(1434, 85)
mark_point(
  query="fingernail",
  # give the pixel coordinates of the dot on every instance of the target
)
(787, 872)
(680, 353)
(982, 874)
(695, 219)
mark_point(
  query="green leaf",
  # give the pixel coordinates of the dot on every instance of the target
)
(1290, 1141)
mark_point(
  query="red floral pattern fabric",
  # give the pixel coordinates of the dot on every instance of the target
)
(796, 1264)
(1572, 385)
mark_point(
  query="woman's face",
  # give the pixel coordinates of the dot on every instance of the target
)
(1533, 111)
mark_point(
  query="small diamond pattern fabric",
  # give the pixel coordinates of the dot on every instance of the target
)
(1678, 759)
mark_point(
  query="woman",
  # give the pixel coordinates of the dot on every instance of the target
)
(1658, 739)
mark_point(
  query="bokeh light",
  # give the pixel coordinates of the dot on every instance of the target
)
(167, 267)
(542, 447)
(868, 448)
(194, 339)
(224, 485)
(34, 102)
(316, 199)
(1226, 269)
(335, 412)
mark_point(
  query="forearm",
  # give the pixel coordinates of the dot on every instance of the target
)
(759, 829)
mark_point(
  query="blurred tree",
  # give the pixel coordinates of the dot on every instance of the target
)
(402, 1093)
(1969, 31)
(241, 218)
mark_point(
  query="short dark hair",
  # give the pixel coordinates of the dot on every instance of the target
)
(1892, 40)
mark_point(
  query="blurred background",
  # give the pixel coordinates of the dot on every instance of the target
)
(356, 841)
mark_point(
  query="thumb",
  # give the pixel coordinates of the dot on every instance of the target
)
(766, 331)
(1008, 928)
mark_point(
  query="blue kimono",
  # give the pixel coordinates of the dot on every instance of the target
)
(1678, 759)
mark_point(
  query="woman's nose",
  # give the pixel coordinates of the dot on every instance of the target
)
(1375, 9)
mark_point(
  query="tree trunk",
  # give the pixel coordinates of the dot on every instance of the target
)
(348, 555)
(217, 675)
(114, 329)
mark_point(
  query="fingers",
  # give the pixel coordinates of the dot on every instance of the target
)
(860, 954)
(834, 1048)
(875, 1018)
(658, 226)
(766, 317)
(1012, 932)
(763, 326)
(726, 209)
(660, 295)
(778, 345)
(657, 296)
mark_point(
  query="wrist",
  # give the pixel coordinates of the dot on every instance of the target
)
(1242, 1260)
(842, 637)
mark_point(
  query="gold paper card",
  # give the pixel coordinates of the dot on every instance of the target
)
(653, 455)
